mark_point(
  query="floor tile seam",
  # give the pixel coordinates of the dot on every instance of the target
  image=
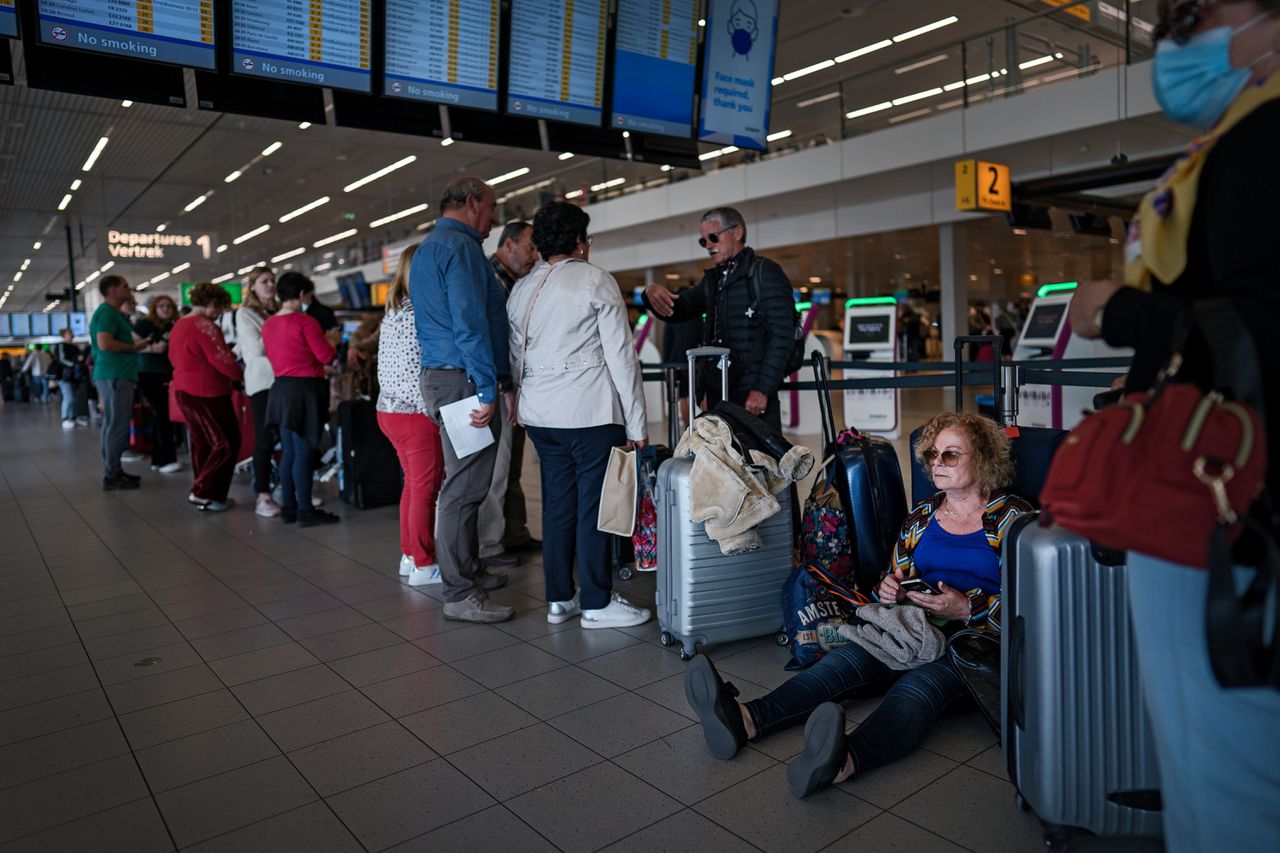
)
(926, 829)
(533, 725)
(73, 725)
(42, 594)
(149, 799)
(5, 657)
(279, 752)
(125, 751)
(893, 809)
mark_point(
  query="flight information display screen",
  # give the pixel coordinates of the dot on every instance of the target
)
(8, 20)
(321, 42)
(443, 51)
(556, 61)
(176, 31)
(655, 62)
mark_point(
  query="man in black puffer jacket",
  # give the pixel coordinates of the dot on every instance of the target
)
(755, 321)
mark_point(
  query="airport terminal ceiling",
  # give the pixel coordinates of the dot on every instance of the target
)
(191, 172)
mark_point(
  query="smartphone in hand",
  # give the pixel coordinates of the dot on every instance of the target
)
(919, 585)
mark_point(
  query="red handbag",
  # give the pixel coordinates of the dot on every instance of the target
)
(1161, 471)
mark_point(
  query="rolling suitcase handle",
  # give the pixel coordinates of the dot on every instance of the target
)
(721, 353)
(824, 399)
(997, 345)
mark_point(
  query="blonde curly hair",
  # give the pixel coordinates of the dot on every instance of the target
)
(989, 448)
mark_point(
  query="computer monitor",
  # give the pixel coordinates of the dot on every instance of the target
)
(1044, 324)
(864, 332)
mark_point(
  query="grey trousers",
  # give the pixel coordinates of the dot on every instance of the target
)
(504, 519)
(466, 482)
(116, 399)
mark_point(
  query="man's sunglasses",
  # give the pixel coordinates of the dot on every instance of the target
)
(1181, 22)
(950, 458)
(713, 237)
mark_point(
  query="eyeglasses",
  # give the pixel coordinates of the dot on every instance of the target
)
(950, 458)
(1182, 21)
(713, 237)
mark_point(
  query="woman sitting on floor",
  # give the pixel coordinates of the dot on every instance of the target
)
(952, 542)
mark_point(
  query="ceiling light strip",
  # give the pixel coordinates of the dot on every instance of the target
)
(381, 173)
(294, 214)
(334, 238)
(249, 235)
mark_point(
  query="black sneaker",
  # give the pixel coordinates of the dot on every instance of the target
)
(316, 517)
(134, 477)
(119, 483)
(716, 706)
(825, 751)
(288, 516)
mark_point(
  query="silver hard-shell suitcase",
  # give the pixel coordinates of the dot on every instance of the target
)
(1076, 736)
(703, 596)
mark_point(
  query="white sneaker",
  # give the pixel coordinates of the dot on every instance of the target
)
(68, 424)
(425, 576)
(317, 501)
(563, 611)
(171, 468)
(266, 507)
(132, 456)
(82, 422)
(406, 565)
(619, 614)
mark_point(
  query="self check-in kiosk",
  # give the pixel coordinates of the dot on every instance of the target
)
(1046, 335)
(871, 334)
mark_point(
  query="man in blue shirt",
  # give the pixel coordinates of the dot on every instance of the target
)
(461, 319)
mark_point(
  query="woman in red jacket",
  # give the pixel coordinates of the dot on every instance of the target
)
(300, 356)
(204, 368)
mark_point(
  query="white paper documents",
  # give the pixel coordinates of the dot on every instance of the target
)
(465, 438)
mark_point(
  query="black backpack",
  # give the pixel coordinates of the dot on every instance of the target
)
(795, 360)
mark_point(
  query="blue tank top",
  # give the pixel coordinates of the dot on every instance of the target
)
(961, 562)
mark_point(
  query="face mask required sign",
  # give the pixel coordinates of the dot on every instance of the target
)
(740, 40)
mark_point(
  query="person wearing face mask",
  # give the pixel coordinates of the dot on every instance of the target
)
(1207, 231)
(746, 299)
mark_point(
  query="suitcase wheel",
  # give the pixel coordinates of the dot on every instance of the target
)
(685, 654)
(782, 638)
(666, 639)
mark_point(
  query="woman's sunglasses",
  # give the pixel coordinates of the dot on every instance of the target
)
(950, 458)
(1181, 22)
(713, 237)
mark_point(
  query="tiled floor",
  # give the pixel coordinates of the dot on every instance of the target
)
(175, 680)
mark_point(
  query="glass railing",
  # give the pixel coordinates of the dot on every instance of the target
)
(1068, 40)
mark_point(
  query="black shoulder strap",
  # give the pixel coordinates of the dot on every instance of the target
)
(753, 276)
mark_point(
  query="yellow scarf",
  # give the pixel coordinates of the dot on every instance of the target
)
(1156, 249)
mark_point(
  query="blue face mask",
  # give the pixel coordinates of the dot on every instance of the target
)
(1195, 82)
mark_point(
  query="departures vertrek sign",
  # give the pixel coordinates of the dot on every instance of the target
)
(159, 247)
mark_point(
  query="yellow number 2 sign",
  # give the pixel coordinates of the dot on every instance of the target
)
(983, 186)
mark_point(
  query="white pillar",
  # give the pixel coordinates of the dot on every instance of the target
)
(954, 267)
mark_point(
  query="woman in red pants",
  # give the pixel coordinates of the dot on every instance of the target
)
(204, 368)
(402, 417)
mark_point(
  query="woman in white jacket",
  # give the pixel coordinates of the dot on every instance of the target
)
(580, 394)
(259, 304)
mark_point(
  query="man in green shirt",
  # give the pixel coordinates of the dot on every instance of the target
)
(115, 373)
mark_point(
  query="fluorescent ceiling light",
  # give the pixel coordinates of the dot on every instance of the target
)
(446, 142)
(66, 200)
(180, 267)
(924, 63)
(126, 104)
(17, 276)
(245, 270)
(1035, 63)
(918, 96)
(774, 137)
(322, 267)
(421, 227)
(272, 148)
(75, 185)
(160, 277)
(626, 134)
(197, 201)
(381, 173)
(527, 189)
(711, 155)
(89, 279)
(911, 115)
(863, 51)
(777, 81)
(220, 279)
(294, 214)
(573, 194)
(408, 211)
(808, 69)
(568, 155)
(666, 167)
(233, 176)
(108, 265)
(95, 154)
(509, 176)
(143, 286)
(334, 238)
(293, 253)
(819, 99)
(36, 246)
(222, 248)
(595, 188)
(304, 125)
(25, 264)
(80, 286)
(865, 111)
(249, 235)
(162, 226)
(927, 28)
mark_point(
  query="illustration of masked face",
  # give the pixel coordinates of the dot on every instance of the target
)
(742, 26)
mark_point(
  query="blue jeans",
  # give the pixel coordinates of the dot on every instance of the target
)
(75, 399)
(295, 471)
(573, 463)
(913, 701)
(1218, 750)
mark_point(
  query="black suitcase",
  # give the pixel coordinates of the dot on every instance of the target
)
(370, 474)
(869, 481)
